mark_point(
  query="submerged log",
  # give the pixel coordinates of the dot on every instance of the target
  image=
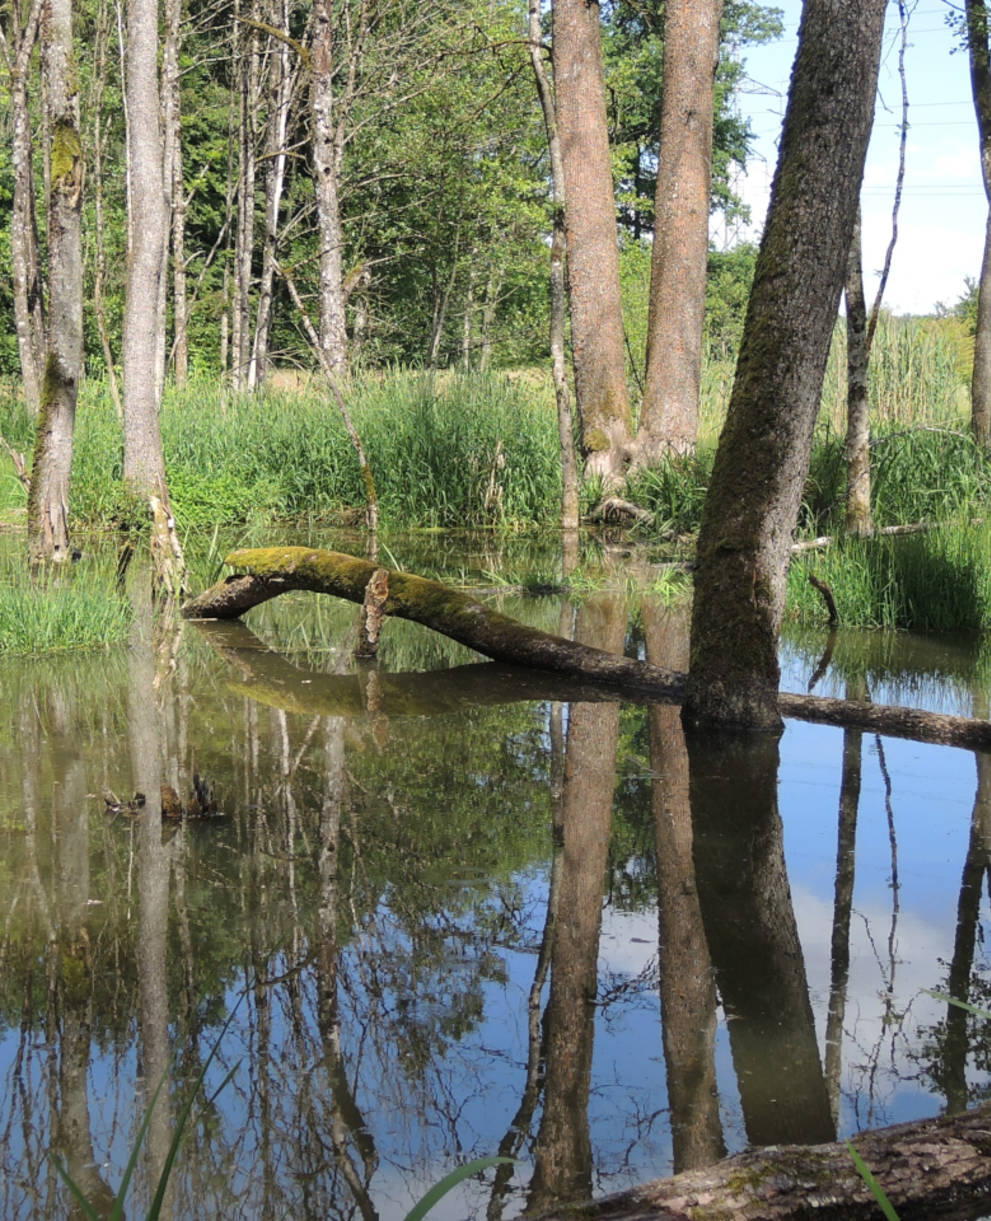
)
(928, 1169)
(272, 571)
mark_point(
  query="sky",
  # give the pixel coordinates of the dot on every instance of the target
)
(943, 211)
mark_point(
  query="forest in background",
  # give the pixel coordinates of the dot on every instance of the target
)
(444, 181)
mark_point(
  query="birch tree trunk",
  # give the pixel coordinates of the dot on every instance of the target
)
(281, 90)
(756, 486)
(144, 462)
(247, 85)
(326, 167)
(29, 317)
(48, 495)
(593, 255)
(669, 416)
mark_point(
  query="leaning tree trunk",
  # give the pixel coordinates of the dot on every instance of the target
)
(593, 258)
(980, 80)
(48, 496)
(762, 460)
(144, 462)
(669, 415)
(272, 571)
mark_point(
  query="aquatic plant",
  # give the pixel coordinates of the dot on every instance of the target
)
(75, 608)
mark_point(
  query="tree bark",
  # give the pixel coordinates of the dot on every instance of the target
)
(858, 436)
(598, 353)
(933, 1168)
(669, 415)
(980, 80)
(763, 454)
(144, 462)
(48, 497)
(282, 85)
(277, 570)
(29, 316)
(326, 169)
(558, 280)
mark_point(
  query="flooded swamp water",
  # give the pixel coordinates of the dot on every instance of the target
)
(441, 913)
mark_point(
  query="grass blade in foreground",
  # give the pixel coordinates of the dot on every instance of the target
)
(450, 1181)
(877, 1190)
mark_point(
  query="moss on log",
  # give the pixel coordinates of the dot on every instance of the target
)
(271, 571)
(276, 570)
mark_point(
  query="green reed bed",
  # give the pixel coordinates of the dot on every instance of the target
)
(938, 580)
(76, 608)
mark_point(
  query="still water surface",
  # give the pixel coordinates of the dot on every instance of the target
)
(441, 916)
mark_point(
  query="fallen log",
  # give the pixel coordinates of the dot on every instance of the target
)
(933, 1168)
(272, 571)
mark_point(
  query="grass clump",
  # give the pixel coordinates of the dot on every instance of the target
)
(934, 581)
(446, 451)
(74, 609)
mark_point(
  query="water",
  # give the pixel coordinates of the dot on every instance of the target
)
(363, 936)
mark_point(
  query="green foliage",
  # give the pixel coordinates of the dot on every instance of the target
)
(877, 1191)
(932, 581)
(77, 608)
(675, 491)
(450, 1181)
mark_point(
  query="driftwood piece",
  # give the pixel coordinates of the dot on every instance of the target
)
(277, 570)
(933, 1168)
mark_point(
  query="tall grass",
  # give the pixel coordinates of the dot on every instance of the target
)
(938, 580)
(445, 451)
(76, 608)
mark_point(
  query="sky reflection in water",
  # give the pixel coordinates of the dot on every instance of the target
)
(379, 887)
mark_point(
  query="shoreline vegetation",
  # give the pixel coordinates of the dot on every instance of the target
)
(456, 451)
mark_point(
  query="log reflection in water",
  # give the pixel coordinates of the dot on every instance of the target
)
(753, 939)
(688, 992)
(563, 1159)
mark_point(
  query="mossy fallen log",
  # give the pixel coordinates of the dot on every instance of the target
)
(271, 571)
(936, 1168)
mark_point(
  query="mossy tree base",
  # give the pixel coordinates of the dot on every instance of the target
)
(271, 571)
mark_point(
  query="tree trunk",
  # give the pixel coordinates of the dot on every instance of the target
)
(763, 455)
(277, 570)
(593, 257)
(558, 283)
(247, 84)
(281, 88)
(99, 273)
(326, 168)
(144, 462)
(930, 1169)
(29, 317)
(858, 435)
(669, 415)
(48, 497)
(980, 80)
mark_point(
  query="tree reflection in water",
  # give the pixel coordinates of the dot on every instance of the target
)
(409, 887)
